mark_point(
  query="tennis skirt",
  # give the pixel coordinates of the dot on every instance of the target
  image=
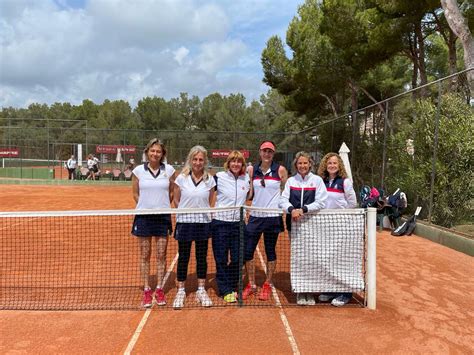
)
(154, 225)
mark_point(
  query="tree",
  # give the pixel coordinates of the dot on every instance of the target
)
(210, 106)
(88, 110)
(454, 188)
(460, 27)
(153, 113)
(187, 109)
(274, 117)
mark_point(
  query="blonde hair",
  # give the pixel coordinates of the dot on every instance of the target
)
(323, 171)
(188, 166)
(305, 155)
(152, 142)
(235, 155)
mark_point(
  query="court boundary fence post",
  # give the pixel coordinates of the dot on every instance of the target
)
(371, 258)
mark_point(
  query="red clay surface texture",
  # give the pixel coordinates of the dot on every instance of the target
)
(425, 297)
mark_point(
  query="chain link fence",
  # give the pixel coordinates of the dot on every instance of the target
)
(419, 141)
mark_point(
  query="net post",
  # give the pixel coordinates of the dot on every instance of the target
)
(371, 257)
(241, 255)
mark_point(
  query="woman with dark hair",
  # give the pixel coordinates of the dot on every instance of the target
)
(152, 184)
(194, 188)
(341, 194)
(267, 177)
(93, 166)
(233, 188)
(304, 192)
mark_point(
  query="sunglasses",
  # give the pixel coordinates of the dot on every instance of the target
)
(262, 180)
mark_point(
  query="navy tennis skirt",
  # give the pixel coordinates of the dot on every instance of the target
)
(153, 225)
(186, 232)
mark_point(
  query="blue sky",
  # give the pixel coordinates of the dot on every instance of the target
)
(70, 50)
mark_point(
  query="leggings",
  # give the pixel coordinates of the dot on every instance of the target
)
(269, 240)
(184, 248)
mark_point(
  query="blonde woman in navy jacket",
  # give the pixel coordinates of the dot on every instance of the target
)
(232, 187)
(304, 192)
(341, 194)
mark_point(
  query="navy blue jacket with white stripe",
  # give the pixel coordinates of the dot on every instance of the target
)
(308, 193)
(341, 193)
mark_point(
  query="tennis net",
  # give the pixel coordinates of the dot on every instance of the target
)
(77, 260)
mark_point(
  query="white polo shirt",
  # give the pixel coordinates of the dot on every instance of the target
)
(231, 192)
(194, 196)
(90, 163)
(153, 190)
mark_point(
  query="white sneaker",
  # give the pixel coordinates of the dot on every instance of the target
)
(301, 299)
(203, 297)
(310, 299)
(179, 299)
(340, 300)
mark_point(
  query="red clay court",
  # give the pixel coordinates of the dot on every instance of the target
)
(425, 294)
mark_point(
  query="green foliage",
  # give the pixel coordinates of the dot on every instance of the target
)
(114, 122)
(454, 188)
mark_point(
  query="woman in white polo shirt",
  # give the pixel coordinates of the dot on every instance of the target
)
(194, 188)
(152, 189)
(232, 186)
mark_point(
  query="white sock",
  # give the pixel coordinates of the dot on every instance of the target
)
(181, 289)
(201, 288)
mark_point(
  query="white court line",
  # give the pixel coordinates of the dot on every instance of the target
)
(283, 317)
(142, 323)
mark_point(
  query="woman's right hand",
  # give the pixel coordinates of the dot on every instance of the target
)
(296, 214)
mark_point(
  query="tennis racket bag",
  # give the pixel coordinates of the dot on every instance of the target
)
(408, 226)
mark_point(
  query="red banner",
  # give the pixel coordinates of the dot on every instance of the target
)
(9, 152)
(224, 153)
(112, 149)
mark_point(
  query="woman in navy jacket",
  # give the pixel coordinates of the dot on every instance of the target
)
(341, 194)
(304, 192)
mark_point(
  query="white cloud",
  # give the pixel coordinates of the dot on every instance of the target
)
(215, 55)
(149, 23)
(180, 54)
(51, 51)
